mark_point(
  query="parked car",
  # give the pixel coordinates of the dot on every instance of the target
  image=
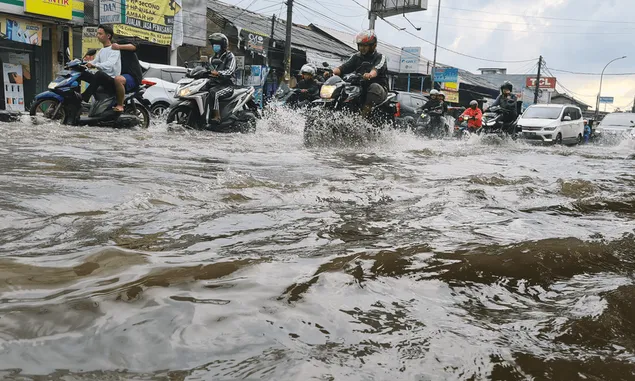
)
(161, 95)
(616, 126)
(408, 106)
(552, 123)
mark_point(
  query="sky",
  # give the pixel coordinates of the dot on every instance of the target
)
(572, 35)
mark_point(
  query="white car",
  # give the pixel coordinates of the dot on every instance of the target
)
(616, 126)
(552, 123)
(161, 95)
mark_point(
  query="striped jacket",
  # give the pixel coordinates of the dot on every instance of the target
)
(227, 68)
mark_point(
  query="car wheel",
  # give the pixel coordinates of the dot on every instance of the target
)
(579, 140)
(558, 139)
(158, 109)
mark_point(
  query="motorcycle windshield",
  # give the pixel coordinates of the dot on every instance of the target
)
(334, 80)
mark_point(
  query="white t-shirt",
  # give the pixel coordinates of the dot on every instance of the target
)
(108, 61)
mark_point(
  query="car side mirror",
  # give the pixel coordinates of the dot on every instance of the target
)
(566, 118)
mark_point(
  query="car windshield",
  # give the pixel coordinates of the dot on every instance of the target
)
(542, 113)
(619, 119)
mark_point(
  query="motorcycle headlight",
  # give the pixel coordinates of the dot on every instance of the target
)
(326, 92)
(191, 88)
(61, 83)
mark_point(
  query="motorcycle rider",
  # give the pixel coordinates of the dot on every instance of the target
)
(475, 116)
(131, 74)
(310, 88)
(108, 63)
(506, 100)
(223, 75)
(436, 102)
(377, 89)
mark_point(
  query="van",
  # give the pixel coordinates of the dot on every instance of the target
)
(552, 123)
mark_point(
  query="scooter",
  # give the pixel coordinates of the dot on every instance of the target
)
(291, 98)
(63, 102)
(432, 124)
(344, 96)
(239, 112)
(493, 123)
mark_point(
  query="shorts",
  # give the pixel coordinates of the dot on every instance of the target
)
(130, 82)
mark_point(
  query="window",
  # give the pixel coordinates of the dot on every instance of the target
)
(578, 114)
(153, 73)
(542, 112)
(177, 75)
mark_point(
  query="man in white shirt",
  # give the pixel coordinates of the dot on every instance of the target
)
(107, 62)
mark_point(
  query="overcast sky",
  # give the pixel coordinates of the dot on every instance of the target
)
(505, 30)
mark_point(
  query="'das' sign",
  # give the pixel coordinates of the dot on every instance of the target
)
(544, 83)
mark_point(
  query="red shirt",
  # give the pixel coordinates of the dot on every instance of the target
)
(478, 122)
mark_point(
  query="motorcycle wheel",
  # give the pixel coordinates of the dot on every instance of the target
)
(142, 113)
(46, 106)
(180, 116)
(249, 124)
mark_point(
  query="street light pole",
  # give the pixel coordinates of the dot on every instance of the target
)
(436, 39)
(597, 101)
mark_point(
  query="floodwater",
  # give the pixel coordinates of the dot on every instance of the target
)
(183, 255)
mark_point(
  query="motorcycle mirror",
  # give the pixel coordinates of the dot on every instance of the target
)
(325, 64)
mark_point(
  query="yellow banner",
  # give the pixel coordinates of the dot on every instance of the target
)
(61, 9)
(151, 20)
(20, 30)
(451, 96)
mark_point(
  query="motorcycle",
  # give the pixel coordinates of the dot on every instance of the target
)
(288, 97)
(239, 112)
(344, 95)
(432, 124)
(63, 102)
(493, 123)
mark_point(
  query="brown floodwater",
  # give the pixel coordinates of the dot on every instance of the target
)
(180, 255)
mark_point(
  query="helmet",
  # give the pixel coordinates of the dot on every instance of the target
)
(507, 85)
(366, 37)
(442, 94)
(473, 103)
(218, 39)
(307, 69)
(434, 92)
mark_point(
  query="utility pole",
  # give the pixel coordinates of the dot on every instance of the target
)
(633, 110)
(287, 44)
(537, 90)
(372, 15)
(436, 40)
(273, 26)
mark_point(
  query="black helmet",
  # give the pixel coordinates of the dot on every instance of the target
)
(218, 39)
(507, 85)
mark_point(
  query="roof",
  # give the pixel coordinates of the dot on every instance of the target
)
(393, 56)
(572, 99)
(302, 37)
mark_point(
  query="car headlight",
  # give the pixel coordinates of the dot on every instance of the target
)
(550, 128)
(326, 92)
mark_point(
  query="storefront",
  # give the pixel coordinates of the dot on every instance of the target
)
(33, 36)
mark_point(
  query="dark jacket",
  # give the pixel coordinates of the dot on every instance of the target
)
(130, 62)
(378, 62)
(509, 104)
(312, 86)
(226, 68)
(432, 104)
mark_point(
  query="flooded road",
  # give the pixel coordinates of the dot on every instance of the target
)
(180, 255)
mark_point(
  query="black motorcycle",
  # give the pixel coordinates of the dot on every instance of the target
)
(290, 98)
(238, 112)
(432, 124)
(63, 102)
(345, 96)
(493, 122)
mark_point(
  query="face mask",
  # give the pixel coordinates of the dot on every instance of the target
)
(216, 48)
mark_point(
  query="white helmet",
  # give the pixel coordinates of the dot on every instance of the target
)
(307, 69)
(434, 92)
(474, 103)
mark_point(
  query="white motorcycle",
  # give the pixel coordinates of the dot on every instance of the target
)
(239, 112)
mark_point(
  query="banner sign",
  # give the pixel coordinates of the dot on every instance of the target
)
(150, 20)
(608, 100)
(544, 83)
(449, 74)
(255, 42)
(61, 9)
(409, 62)
(451, 91)
(19, 30)
(13, 86)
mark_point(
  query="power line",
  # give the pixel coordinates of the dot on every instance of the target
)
(581, 73)
(538, 17)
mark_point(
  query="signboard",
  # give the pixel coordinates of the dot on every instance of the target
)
(13, 81)
(449, 74)
(544, 83)
(607, 100)
(410, 57)
(387, 8)
(61, 9)
(451, 91)
(150, 20)
(255, 42)
(19, 30)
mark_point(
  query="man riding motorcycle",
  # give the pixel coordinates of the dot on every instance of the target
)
(376, 89)
(108, 63)
(474, 116)
(507, 101)
(223, 74)
(310, 88)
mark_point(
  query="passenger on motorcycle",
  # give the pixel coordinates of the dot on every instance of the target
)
(506, 100)
(107, 62)
(436, 102)
(223, 77)
(131, 74)
(377, 89)
(310, 88)
(474, 115)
